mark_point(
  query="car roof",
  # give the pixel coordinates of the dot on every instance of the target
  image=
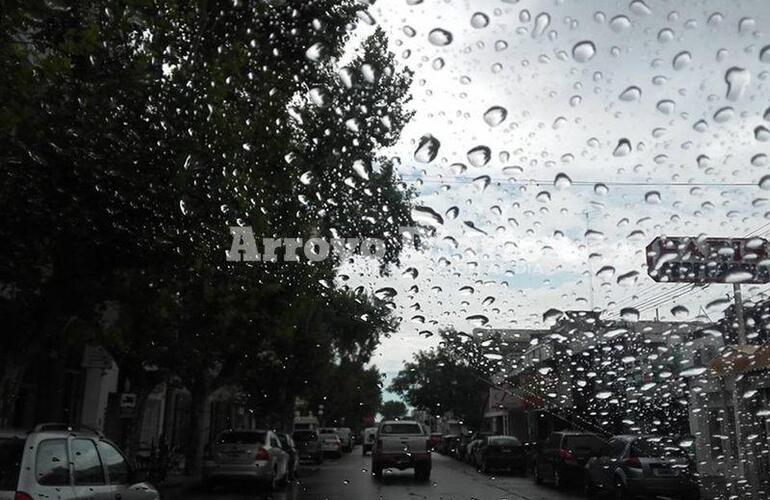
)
(390, 422)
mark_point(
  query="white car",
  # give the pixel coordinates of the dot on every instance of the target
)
(346, 436)
(246, 454)
(58, 461)
(401, 444)
(331, 444)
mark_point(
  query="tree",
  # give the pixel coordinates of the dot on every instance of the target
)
(441, 380)
(393, 409)
(138, 133)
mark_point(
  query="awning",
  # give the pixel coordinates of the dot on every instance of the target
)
(741, 359)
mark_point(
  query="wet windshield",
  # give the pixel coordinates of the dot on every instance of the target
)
(544, 220)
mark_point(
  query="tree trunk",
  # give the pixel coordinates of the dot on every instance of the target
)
(200, 423)
(10, 384)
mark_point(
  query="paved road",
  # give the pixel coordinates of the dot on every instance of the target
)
(349, 478)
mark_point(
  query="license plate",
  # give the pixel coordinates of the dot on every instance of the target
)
(663, 472)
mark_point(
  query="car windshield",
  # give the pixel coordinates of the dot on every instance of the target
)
(503, 441)
(11, 450)
(539, 219)
(404, 428)
(245, 437)
(656, 448)
(583, 442)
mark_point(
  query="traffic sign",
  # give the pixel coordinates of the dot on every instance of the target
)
(687, 259)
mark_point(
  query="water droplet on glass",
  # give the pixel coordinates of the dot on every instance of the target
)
(623, 148)
(495, 115)
(737, 80)
(427, 149)
(666, 106)
(764, 182)
(631, 94)
(479, 156)
(700, 126)
(583, 51)
(639, 8)
(652, 197)
(665, 35)
(601, 189)
(724, 114)
(629, 314)
(452, 212)
(562, 181)
(762, 134)
(426, 216)
(541, 24)
(440, 37)
(682, 60)
(315, 52)
(759, 160)
(479, 20)
(680, 312)
(481, 182)
(620, 23)
(764, 54)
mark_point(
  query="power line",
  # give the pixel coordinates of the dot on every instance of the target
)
(539, 182)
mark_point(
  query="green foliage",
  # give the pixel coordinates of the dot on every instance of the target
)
(439, 380)
(137, 132)
(393, 409)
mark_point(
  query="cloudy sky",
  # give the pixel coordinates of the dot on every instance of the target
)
(607, 124)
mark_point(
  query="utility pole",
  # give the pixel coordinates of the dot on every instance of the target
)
(745, 460)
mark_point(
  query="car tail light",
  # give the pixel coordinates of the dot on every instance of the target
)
(20, 495)
(566, 455)
(262, 454)
(633, 462)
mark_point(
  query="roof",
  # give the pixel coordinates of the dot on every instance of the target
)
(738, 359)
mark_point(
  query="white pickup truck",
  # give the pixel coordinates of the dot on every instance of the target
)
(401, 444)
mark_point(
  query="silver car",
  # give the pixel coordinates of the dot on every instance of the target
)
(246, 455)
(58, 462)
(628, 466)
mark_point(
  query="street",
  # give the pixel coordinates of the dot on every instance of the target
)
(349, 479)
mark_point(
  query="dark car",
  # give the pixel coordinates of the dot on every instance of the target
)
(501, 452)
(435, 440)
(308, 444)
(477, 440)
(561, 459)
(448, 443)
(287, 444)
(628, 466)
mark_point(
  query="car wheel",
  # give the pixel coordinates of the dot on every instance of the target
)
(536, 475)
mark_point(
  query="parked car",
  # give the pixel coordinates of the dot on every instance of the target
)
(57, 461)
(563, 456)
(448, 443)
(476, 441)
(308, 443)
(435, 440)
(369, 438)
(287, 444)
(246, 454)
(401, 444)
(346, 436)
(501, 452)
(628, 466)
(331, 444)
